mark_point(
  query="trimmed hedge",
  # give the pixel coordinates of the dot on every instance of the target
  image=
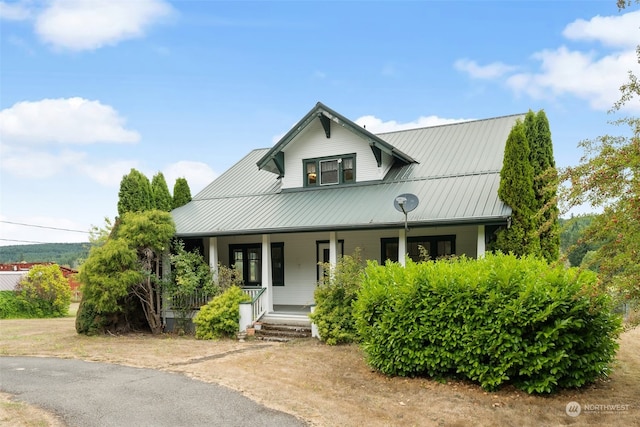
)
(496, 320)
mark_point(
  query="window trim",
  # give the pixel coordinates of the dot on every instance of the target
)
(246, 246)
(433, 244)
(317, 161)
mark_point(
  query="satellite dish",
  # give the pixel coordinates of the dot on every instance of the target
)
(406, 202)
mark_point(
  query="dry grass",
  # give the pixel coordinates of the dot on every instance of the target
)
(330, 386)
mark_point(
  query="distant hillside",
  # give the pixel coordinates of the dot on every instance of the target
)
(69, 254)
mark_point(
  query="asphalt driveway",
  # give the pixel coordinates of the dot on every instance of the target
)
(86, 394)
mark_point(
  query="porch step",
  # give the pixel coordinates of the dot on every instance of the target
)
(282, 332)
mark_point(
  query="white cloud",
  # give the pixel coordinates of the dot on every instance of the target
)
(616, 31)
(376, 125)
(90, 24)
(489, 71)
(18, 11)
(33, 164)
(63, 121)
(13, 233)
(198, 174)
(583, 75)
(109, 174)
(592, 76)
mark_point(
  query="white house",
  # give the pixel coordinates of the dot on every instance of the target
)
(329, 186)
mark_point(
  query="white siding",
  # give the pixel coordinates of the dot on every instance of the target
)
(313, 143)
(300, 254)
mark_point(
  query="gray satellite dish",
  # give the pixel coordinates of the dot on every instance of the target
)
(405, 203)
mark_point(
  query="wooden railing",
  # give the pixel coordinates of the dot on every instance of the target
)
(194, 300)
(258, 302)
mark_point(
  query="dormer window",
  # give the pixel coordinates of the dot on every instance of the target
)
(330, 170)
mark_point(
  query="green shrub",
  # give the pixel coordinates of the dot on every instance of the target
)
(333, 314)
(493, 321)
(44, 292)
(221, 316)
(10, 307)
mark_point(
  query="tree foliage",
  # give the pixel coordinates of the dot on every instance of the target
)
(545, 184)
(135, 193)
(608, 177)
(44, 292)
(516, 190)
(190, 275)
(162, 199)
(181, 193)
(334, 299)
(123, 274)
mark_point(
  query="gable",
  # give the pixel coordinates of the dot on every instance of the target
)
(323, 133)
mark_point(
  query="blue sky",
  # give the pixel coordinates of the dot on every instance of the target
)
(91, 88)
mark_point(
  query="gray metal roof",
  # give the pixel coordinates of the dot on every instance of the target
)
(10, 279)
(456, 181)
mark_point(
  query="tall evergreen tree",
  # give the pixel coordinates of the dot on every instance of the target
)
(135, 193)
(516, 190)
(545, 185)
(181, 193)
(161, 197)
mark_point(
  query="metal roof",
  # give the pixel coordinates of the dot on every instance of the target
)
(10, 279)
(456, 181)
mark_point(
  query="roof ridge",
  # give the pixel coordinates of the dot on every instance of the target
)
(452, 124)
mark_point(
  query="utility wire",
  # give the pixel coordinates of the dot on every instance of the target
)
(24, 241)
(42, 226)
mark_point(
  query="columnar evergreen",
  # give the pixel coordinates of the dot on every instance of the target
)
(545, 185)
(516, 190)
(161, 197)
(135, 193)
(181, 193)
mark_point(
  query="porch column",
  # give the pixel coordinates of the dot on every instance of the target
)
(480, 246)
(213, 256)
(333, 250)
(266, 270)
(402, 246)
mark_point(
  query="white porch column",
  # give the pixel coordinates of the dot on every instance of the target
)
(480, 246)
(402, 246)
(266, 270)
(213, 256)
(333, 250)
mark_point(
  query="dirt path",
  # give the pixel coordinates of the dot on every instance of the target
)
(332, 386)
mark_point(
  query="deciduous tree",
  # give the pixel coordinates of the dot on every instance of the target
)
(608, 177)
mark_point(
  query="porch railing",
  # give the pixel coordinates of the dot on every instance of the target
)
(258, 302)
(193, 300)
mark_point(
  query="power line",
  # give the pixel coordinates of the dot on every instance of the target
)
(23, 241)
(42, 226)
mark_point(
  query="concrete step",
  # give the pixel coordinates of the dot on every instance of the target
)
(282, 332)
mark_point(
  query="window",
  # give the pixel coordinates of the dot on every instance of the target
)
(332, 170)
(435, 247)
(247, 260)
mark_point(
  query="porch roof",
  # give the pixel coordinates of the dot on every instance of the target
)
(456, 181)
